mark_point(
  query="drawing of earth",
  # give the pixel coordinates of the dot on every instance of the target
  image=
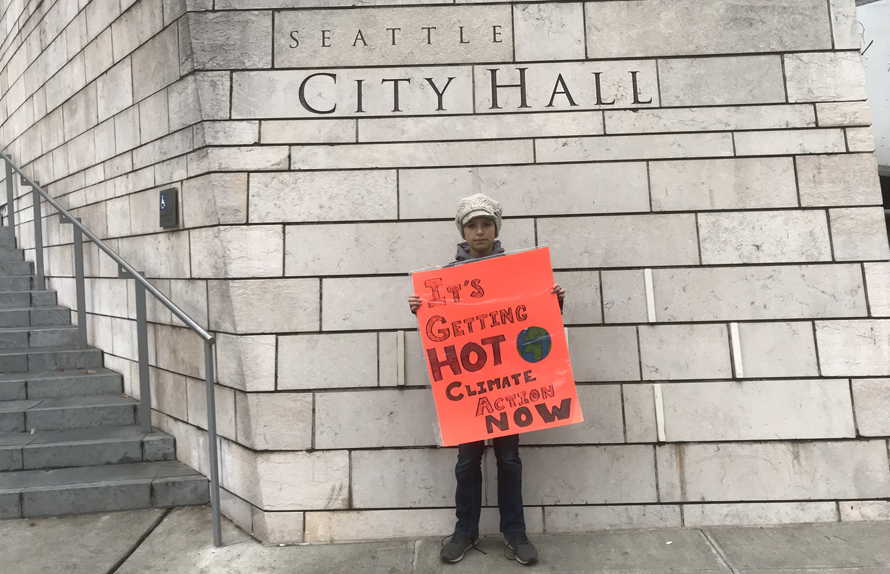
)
(533, 344)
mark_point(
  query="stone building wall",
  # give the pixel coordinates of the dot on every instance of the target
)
(702, 170)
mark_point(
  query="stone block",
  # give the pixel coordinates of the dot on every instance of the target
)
(171, 171)
(236, 509)
(159, 255)
(100, 14)
(246, 362)
(624, 297)
(374, 419)
(414, 478)
(654, 240)
(549, 32)
(227, 40)
(80, 113)
(576, 189)
(709, 184)
(106, 296)
(169, 394)
(393, 36)
(480, 127)
(214, 92)
(603, 420)
(859, 234)
(226, 133)
(278, 527)
(143, 211)
(184, 103)
(126, 130)
(697, 515)
(305, 361)
(381, 247)
(179, 350)
(853, 348)
(825, 77)
(153, 117)
(411, 155)
(256, 306)
(669, 352)
(860, 139)
(136, 26)
(734, 80)
(154, 64)
(604, 354)
(415, 360)
(236, 251)
(360, 525)
(864, 510)
(778, 350)
(191, 442)
(105, 146)
(830, 114)
(709, 119)
(268, 94)
(584, 304)
(871, 399)
(844, 26)
(614, 148)
(322, 196)
(214, 199)
(639, 413)
(360, 303)
(759, 293)
(175, 144)
(114, 90)
(758, 410)
(622, 84)
(843, 179)
(245, 158)
(308, 131)
(790, 142)
(225, 407)
(877, 280)
(567, 519)
(719, 27)
(286, 480)
(274, 421)
(763, 237)
(588, 475)
(773, 471)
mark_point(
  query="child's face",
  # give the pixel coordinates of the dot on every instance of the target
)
(479, 233)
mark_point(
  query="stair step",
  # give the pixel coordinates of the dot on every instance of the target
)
(49, 336)
(15, 268)
(37, 316)
(20, 283)
(40, 359)
(11, 254)
(78, 490)
(67, 413)
(60, 384)
(83, 447)
(24, 299)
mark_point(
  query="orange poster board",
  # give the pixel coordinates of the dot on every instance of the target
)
(495, 347)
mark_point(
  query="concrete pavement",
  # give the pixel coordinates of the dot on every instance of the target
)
(179, 542)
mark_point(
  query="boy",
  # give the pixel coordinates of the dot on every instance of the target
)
(478, 220)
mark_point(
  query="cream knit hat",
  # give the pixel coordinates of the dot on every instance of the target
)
(478, 206)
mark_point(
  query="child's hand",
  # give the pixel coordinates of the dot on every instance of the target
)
(414, 302)
(560, 292)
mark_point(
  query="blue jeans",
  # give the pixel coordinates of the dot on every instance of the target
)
(468, 497)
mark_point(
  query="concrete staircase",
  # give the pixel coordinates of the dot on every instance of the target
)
(69, 442)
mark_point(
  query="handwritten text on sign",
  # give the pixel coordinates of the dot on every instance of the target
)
(495, 347)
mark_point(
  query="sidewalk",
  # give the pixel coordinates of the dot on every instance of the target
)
(179, 541)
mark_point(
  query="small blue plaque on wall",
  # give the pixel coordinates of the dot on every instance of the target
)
(169, 207)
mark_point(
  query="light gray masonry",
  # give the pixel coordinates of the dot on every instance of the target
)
(702, 173)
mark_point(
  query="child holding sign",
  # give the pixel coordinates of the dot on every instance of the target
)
(478, 220)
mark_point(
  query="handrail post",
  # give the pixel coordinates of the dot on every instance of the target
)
(142, 347)
(38, 240)
(10, 200)
(211, 431)
(81, 338)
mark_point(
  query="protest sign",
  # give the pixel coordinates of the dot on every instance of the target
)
(495, 347)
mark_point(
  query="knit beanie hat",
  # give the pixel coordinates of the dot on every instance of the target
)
(478, 206)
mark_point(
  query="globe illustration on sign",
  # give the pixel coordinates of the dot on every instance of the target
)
(533, 344)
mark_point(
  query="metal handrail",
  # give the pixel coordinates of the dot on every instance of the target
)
(142, 285)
